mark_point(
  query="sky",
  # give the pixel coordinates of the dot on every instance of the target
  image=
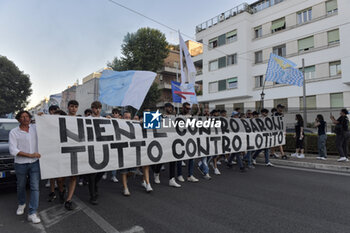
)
(59, 42)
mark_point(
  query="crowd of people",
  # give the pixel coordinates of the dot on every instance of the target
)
(24, 146)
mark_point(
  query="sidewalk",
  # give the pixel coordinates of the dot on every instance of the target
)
(311, 162)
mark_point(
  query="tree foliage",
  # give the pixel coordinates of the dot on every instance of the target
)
(145, 49)
(15, 87)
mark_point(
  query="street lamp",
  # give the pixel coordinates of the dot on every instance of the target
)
(262, 95)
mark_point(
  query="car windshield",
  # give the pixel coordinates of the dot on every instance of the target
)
(5, 130)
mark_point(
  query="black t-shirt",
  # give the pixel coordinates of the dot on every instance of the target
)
(344, 122)
(322, 128)
(298, 126)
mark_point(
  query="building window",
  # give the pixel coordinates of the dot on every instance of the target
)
(335, 68)
(213, 65)
(222, 85)
(258, 57)
(238, 106)
(331, 6)
(222, 62)
(278, 25)
(199, 88)
(232, 83)
(337, 100)
(213, 43)
(259, 81)
(258, 32)
(283, 101)
(232, 59)
(213, 87)
(304, 16)
(310, 102)
(222, 40)
(333, 36)
(280, 50)
(309, 72)
(231, 36)
(306, 44)
(220, 107)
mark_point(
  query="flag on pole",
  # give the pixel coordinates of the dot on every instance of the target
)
(188, 71)
(55, 99)
(281, 70)
(183, 93)
(125, 88)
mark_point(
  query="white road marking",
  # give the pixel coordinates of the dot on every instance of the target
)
(313, 170)
(100, 221)
(55, 214)
(134, 229)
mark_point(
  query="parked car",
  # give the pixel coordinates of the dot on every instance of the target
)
(7, 168)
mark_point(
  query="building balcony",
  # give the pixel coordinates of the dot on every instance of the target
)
(164, 85)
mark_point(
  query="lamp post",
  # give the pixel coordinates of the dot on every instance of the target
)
(262, 95)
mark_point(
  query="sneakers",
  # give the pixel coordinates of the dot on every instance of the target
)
(68, 205)
(104, 177)
(20, 209)
(284, 157)
(144, 184)
(217, 172)
(34, 218)
(192, 179)
(269, 164)
(294, 155)
(148, 188)
(254, 161)
(93, 201)
(218, 163)
(126, 192)
(162, 168)
(172, 183)
(183, 164)
(207, 176)
(156, 178)
(47, 185)
(181, 179)
(114, 179)
(275, 156)
(301, 156)
(52, 197)
(80, 183)
(212, 165)
(342, 159)
(323, 158)
(251, 167)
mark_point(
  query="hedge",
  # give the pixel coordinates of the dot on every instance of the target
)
(310, 144)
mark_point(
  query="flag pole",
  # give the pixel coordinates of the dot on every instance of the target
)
(304, 94)
(177, 80)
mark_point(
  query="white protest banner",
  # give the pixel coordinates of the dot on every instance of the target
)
(81, 145)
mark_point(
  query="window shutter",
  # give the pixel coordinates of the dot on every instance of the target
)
(277, 24)
(333, 36)
(331, 5)
(306, 43)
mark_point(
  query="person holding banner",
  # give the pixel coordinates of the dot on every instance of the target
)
(237, 154)
(23, 144)
(94, 178)
(279, 112)
(169, 111)
(342, 134)
(186, 109)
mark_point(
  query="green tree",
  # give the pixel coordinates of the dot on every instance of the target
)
(15, 87)
(145, 49)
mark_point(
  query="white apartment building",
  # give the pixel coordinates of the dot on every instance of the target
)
(238, 43)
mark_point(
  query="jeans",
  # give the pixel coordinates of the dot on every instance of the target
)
(190, 167)
(239, 160)
(322, 149)
(266, 153)
(341, 142)
(203, 165)
(248, 157)
(114, 173)
(22, 172)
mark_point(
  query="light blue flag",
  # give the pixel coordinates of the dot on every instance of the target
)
(281, 70)
(125, 88)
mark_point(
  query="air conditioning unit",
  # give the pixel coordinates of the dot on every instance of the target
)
(222, 17)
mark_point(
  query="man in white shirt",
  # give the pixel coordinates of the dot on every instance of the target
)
(23, 144)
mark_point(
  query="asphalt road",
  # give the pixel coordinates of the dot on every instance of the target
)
(262, 200)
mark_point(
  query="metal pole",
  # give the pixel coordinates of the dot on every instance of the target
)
(262, 97)
(177, 80)
(304, 94)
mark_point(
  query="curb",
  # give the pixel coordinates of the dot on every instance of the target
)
(316, 166)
